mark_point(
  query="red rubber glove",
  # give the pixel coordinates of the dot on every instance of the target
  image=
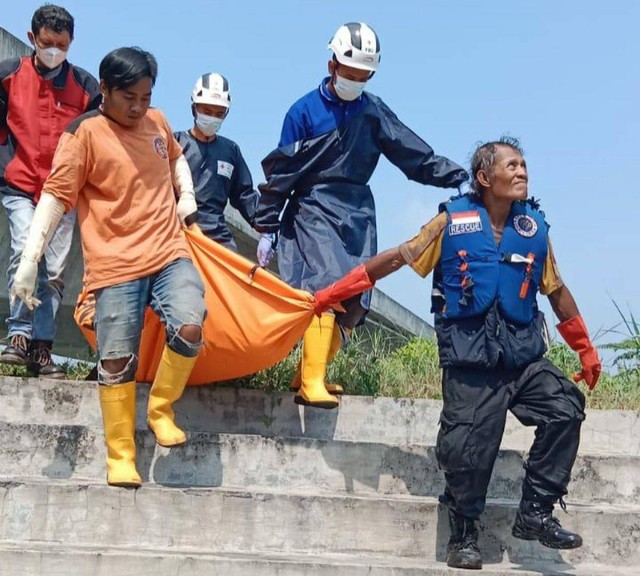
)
(575, 334)
(355, 282)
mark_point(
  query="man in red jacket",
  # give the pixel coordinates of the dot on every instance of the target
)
(39, 96)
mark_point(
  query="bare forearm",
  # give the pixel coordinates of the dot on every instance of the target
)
(563, 304)
(383, 264)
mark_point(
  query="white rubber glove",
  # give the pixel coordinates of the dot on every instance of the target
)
(265, 249)
(187, 208)
(24, 283)
(183, 185)
(46, 218)
(464, 188)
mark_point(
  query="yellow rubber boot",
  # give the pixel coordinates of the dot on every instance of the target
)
(332, 388)
(118, 403)
(168, 385)
(315, 352)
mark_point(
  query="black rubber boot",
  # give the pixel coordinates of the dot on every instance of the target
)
(41, 363)
(17, 352)
(462, 550)
(535, 521)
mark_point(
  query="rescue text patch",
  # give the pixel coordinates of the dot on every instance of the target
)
(465, 223)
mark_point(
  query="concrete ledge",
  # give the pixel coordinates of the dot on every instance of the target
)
(215, 409)
(239, 521)
(60, 560)
(258, 462)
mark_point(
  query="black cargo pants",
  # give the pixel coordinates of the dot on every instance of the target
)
(472, 423)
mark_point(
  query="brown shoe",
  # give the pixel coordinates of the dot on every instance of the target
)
(17, 352)
(40, 361)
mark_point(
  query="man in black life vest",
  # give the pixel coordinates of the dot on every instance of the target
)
(490, 254)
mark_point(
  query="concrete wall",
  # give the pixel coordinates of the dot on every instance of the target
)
(11, 46)
(385, 312)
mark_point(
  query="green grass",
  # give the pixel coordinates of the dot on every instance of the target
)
(76, 370)
(373, 365)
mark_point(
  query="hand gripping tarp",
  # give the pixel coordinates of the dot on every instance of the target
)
(253, 318)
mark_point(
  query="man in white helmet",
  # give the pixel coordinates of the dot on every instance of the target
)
(330, 144)
(219, 172)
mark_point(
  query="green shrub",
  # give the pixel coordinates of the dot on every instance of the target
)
(372, 364)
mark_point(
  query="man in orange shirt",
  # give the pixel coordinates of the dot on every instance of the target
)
(118, 167)
(490, 254)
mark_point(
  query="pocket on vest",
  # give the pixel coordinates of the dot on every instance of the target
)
(524, 344)
(462, 342)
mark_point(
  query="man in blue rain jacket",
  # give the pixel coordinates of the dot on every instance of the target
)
(331, 142)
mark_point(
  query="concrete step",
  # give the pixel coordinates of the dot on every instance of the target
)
(222, 520)
(216, 409)
(251, 461)
(61, 560)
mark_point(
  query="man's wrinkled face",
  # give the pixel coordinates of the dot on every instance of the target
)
(508, 176)
(127, 106)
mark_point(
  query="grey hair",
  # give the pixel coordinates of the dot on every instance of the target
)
(485, 156)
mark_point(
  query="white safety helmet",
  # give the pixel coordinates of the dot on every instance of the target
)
(355, 44)
(211, 89)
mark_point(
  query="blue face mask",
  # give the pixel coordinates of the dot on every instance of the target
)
(348, 90)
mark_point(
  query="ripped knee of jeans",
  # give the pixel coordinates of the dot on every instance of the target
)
(187, 340)
(126, 374)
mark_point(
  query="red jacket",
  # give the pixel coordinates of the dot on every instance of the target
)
(34, 112)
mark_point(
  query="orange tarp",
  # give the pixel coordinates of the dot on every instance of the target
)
(253, 318)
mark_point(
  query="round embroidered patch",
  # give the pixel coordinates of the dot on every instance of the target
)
(525, 226)
(160, 146)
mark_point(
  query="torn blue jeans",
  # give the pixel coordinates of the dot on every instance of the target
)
(176, 295)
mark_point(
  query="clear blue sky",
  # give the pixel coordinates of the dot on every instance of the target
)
(561, 75)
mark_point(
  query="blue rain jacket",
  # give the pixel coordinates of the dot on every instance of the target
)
(319, 178)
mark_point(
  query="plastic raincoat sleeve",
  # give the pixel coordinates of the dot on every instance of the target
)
(254, 319)
(414, 156)
(243, 197)
(283, 168)
(293, 129)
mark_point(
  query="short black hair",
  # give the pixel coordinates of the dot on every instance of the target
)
(124, 67)
(485, 156)
(52, 17)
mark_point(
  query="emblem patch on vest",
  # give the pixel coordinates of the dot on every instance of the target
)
(465, 223)
(525, 226)
(225, 169)
(160, 146)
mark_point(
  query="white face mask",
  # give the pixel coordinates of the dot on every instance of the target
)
(348, 90)
(50, 57)
(208, 125)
